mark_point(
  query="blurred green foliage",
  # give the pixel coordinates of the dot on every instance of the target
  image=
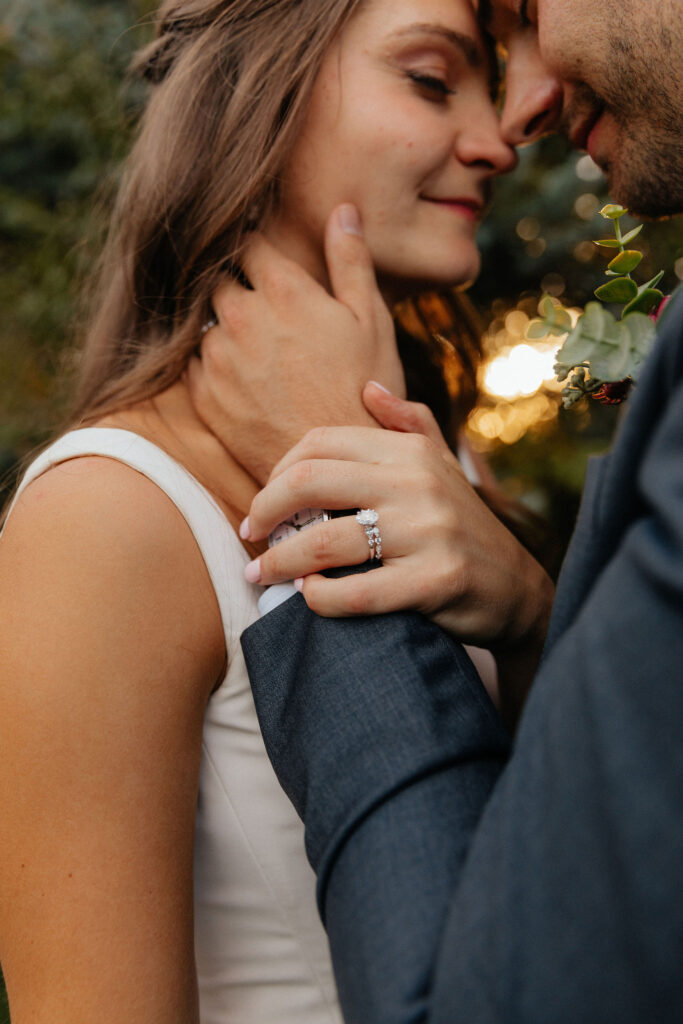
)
(538, 238)
(65, 122)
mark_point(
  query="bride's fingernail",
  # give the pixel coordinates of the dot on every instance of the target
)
(299, 583)
(349, 218)
(245, 532)
(380, 386)
(252, 572)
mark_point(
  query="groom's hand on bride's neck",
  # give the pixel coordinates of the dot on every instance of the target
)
(288, 356)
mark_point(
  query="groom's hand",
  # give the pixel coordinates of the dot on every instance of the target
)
(288, 356)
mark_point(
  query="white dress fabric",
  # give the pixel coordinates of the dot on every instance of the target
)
(262, 954)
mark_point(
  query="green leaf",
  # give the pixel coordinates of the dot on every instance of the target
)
(588, 333)
(653, 282)
(555, 320)
(608, 243)
(621, 289)
(632, 234)
(537, 329)
(546, 308)
(562, 319)
(645, 301)
(642, 333)
(570, 396)
(647, 298)
(626, 261)
(610, 349)
(612, 211)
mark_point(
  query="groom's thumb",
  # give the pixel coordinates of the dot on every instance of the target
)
(395, 413)
(352, 274)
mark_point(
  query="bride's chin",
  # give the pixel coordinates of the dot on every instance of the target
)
(399, 289)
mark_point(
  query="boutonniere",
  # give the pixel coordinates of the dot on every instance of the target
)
(602, 354)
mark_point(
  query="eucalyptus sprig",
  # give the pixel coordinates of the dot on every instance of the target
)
(603, 354)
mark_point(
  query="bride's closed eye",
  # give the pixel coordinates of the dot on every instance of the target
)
(430, 85)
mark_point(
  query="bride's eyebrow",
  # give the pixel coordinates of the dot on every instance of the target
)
(469, 47)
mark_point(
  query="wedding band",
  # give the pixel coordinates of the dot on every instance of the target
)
(208, 325)
(369, 520)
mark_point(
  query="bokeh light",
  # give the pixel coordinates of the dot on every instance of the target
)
(553, 284)
(586, 205)
(587, 169)
(536, 247)
(519, 390)
(528, 228)
(520, 370)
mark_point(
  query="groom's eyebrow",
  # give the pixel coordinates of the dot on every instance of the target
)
(468, 46)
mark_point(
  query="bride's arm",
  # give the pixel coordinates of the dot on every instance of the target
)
(444, 552)
(111, 644)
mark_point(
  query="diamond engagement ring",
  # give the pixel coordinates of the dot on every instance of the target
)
(368, 519)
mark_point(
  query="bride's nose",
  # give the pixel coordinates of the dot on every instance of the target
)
(481, 144)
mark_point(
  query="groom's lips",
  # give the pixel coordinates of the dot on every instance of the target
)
(580, 132)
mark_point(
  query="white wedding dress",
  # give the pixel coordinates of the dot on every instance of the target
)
(262, 954)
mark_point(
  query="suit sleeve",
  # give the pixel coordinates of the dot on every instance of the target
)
(366, 759)
(460, 884)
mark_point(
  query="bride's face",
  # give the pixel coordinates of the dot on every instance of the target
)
(401, 123)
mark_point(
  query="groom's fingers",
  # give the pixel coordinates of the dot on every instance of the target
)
(349, 265)
(354, 444)
(262, 262)
(230, 303)
(398, 414)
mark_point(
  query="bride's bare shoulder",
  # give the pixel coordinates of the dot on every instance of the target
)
(92, 540)
(99, 501)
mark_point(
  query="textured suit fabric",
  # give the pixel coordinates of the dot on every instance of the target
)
(458, 882)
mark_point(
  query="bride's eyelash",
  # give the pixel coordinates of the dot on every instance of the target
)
(431, 84)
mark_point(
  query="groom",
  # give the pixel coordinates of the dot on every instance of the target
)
(460, 880)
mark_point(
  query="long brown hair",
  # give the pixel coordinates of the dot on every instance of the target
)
(231, 82)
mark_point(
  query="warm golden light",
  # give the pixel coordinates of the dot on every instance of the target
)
(509, 421)
(519, 389)
(520, 370)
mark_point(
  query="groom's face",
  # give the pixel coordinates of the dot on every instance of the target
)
(607, 73)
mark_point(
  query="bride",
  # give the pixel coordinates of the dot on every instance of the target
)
(152, 869)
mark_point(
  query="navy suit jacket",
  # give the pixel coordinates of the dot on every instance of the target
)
(465, 879)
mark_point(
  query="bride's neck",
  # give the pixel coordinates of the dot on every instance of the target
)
(289, 239)
(169, 420)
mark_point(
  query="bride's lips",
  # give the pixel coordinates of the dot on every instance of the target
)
(469, 207)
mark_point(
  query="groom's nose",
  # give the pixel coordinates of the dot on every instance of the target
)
(533, 94)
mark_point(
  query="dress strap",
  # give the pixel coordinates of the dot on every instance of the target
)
(221, 550)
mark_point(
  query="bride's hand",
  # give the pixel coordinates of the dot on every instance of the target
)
(444, 552)
(288, 356)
